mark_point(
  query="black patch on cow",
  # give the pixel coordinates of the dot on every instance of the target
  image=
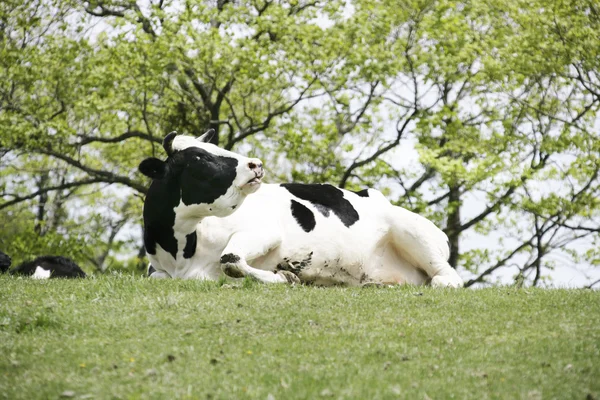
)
(295, 266)
(229, 258)
(326, 196)
(363, 193)
(159, 216)
(5, 262)
(168, 142)
(193, 176)
(190, 245)
(303, 216)
(290, 277)
(59, 267)
(151, 270)
(154, 168)
(322, 209)
(206, 176)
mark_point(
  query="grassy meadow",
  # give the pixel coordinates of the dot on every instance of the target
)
(122, 337)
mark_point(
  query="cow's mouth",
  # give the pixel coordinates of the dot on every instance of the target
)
(254, 181)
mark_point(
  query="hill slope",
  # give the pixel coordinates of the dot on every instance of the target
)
(126, 337)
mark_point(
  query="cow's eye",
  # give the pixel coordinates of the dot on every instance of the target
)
(197, 158)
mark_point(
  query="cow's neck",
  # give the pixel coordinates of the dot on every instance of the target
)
(187, 217)
(186, 227)
(172, 224)
(160, 217)
(174, 227)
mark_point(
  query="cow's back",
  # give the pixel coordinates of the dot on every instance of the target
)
(332, 237)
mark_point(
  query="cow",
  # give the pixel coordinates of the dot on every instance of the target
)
(43, 267)
(5, 262)
(207, 212)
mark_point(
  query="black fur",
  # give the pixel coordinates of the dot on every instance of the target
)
(295, 267)
(5, 262)
(151, 270)
(192, 175)
(326, 196)
(168, 141)
(322, 209)
(303, 216)
(153, 168)
(206, 179)
(363, 193)
(59, 267)
(229, 258)
(190, 245)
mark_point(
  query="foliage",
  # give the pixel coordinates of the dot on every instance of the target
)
(480, 116)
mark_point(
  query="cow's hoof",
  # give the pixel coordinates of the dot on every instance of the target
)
(232, 271)
(289, 276)
(447, 281)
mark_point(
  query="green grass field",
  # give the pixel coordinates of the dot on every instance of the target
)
(134, 338)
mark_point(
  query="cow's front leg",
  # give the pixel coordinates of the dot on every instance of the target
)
(243, 246)
(159, 275)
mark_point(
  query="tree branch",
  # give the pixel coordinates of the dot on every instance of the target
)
(378, 153)
(45, 190)
(499, 264)
(488, 210)
(105, 176)
(592, 284)
(267, 121)
(107, 12)
(86, 139)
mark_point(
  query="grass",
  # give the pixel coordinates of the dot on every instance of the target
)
(134, 338)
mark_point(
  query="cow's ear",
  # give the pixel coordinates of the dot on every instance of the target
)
(207, 136)
(168, 142)
(154, 168)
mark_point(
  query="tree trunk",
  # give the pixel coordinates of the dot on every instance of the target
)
(41, 208)
(453, 224)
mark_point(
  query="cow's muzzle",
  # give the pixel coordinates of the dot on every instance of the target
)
(257, 178)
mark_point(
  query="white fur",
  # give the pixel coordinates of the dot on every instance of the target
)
(388, 244)
(41, 273)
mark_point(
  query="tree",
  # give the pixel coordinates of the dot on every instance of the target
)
(490, 122)
(480, 116)
(92, 104)
(495, 121)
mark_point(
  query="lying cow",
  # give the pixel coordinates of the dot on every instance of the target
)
(206, 212)
(43, 267)
(5, 262)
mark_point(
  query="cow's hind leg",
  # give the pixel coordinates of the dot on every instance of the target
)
(423, 245)
(243, 246)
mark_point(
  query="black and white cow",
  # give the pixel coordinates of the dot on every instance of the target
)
(5, 262)
(43, 267)
(206, 212)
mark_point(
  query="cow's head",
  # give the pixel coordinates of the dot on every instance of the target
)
(208, 180)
